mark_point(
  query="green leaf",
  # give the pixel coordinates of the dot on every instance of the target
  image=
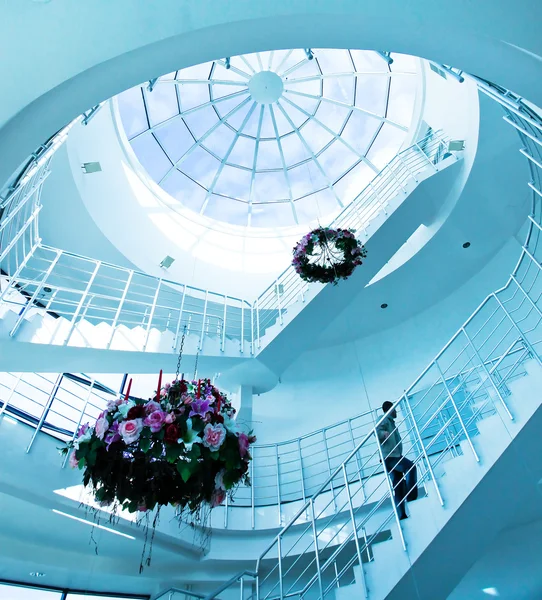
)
(195, 452)
(214, 455)
(157, 450)
(186, 472)
(82, 463)
(145, 444)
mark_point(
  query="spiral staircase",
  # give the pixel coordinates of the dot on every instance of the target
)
(464, 420)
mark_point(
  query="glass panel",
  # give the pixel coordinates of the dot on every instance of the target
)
(175, 139)
(13, 592)
(189, 193)
(192, 95)
(200, 141)
(386, 146)
(149, 153)
(132, 111)
(404, 63)
(161, 102)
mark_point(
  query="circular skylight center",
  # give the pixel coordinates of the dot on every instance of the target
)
(271, 139)
(265, 87)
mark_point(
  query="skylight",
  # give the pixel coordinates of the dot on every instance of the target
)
(278, 139)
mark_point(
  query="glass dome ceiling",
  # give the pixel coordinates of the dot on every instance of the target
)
(272, 139)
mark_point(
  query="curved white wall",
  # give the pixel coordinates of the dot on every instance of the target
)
(113, 47)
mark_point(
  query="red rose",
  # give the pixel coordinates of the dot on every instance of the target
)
(172, 434)
(136, 412)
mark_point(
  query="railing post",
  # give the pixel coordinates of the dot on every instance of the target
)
(488, 374)
(279, 551)
(422, 446)
(302, 478)
(151, 315)
(226, 512)
(119, 309)
(528, 344)
(391, 491)
(82, 301)
(223, 342)
(176, 339)
(242, 349)
(252, 505)
(316, 550)
(332, 488)
(258, 338)
(203, 321)
(46, 409)
(253, 346)
(279, 506)
(358, 462)
(36, 293)
(279, 307)
(354, 528)
(456, 409)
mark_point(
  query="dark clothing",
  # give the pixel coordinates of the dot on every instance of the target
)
(405, 486)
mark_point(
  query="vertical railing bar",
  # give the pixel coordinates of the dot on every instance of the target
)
(253, 508)
(279, 551)
(332, 487)
(203, 320)
(355, 529)
(81, 415)
(242, 349)
(151, 315)
(176, 339)
(223, 341)
(81, 302)
(488, 374)
(424, 451)
(279, 504)
(119, 309)
(45, 412)
(302, 477)
(358, 462)
(456, 409)
(36, 293)
(316, 550)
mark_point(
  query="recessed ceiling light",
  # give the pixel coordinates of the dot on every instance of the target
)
(466, 245)
(384, 305)
(491, 591)
(37, 574)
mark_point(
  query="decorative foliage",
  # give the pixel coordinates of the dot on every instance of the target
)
(328, 255)
(183, 448)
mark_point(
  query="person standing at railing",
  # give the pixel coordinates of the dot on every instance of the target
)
(402, 471)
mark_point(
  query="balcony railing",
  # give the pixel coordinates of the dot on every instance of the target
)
(86, 292)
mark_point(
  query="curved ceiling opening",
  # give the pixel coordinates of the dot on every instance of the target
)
(271, 140)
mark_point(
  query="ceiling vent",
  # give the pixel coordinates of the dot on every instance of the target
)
(167, 262)
(91, 167)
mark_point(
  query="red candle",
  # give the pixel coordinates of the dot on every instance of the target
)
(159, 386)
(199, 388)
(127, 395)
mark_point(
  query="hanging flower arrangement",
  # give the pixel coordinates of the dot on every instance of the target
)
(182, 448)
(327, 255)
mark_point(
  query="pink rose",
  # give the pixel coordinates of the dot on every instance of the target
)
(155, 420)
(243, 444)
(101, 427)
(130, 430)
(142, 508)
(167, 387)
(112, 405)
(73, 462)
(217, 498)
(214, 436)
(151, 407)
(170, 418)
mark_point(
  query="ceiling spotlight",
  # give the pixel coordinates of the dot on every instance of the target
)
(466, 245)
(36, 573)
(309, 53)
(491, 591)
(227, 62)
(384, 305)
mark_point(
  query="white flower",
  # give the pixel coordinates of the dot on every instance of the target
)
(85, 437)
(125, 407)
(231, 424)
(191, 436)
(219, 480)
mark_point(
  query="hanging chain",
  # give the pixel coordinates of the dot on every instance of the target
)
(196, 365)
(180, 355)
